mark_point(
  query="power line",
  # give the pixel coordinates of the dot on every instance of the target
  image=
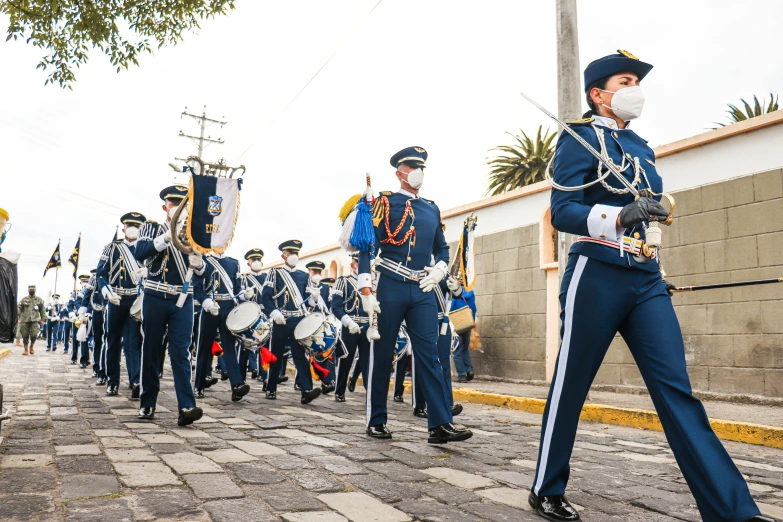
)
(204, 122)
(311, 79)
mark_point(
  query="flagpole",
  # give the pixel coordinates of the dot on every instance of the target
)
(57, 269)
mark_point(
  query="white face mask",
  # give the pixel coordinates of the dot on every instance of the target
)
(316, 279)
(132, 233)
(627, 103)
(256, 266)
(416, 178)
(292, 260)
(172, 211)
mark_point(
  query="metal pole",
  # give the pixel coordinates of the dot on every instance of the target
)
(201, 137)
(568, 87)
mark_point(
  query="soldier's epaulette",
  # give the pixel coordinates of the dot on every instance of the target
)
(428, 200)
(385, 193)
(583, 121)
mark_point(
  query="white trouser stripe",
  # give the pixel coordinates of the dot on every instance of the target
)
(369, 382)
(413, 380)
(561, 369)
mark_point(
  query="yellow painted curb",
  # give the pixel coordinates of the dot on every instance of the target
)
(630, 417)
(4, 352)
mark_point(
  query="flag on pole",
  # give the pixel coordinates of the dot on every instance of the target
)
(74, 259)
(54, 262)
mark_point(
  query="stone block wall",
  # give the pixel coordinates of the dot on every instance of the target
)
(511, 302)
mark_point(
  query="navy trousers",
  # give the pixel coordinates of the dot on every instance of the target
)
(66, 335)
(209, 325)
(444, 354)
(117, 318)
(98, 343)
(159, 316)
(353, 343)
(597, 301)
(400, 301)
(131, 346)
(51, 334)
(283, 335)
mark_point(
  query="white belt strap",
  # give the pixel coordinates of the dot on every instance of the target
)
(629, 244)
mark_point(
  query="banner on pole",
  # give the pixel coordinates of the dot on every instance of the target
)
(213, 212)
(54, 261)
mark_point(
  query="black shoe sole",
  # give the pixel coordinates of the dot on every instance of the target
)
(352, 387)
(148, 418)
(456, 410)
(551, 518)
(191, 417)
(308, 400)
(236, 395)
(381, 436)
(420, 415)
(458, 438)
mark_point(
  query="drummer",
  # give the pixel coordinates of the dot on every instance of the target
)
(283, 299)
(216, 293)
(321, 303)
(255, 280)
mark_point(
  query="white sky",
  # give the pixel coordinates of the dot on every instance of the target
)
(444, 75)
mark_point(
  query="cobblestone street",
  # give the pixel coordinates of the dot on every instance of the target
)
(72, 453)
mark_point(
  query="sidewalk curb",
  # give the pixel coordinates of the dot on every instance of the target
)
(4, 352)
(630, 417)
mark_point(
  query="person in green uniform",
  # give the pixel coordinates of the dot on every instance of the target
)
(31, 315)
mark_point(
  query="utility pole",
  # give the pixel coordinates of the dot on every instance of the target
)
(569, 92)
(204, 122)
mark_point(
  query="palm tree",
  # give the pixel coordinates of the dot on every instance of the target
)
(735, 114)
(522, 163)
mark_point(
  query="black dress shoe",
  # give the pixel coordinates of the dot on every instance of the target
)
(351, 385)
(461, 378)
(282, 378)
(420, 413)
(136, 392)
(339, 398)
(82, 366)
(223, 376)
(188, 416)
(327, 388)
(130, 386)
(112, 390)
(199, 394)
(553, 507)
(146, 413)
(761, 518)
(398, 398)
(94, 374)
(469, 376)
(456, 410)
(379, 431)
(73, 362)
(271, 395)
(254, 374)
(448, 433)
(310, 396)
(211, 381)
(101, 382)
(239, 391)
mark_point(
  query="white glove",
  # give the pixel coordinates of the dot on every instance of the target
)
(195, 261)
(71, 315)
(249, 293)
(82, 317)
(314, 291)
(210, 306)
(434, 276)
(277, 317)
(349, 323)
(82, 311)
(111, 296)
(453, 284)
(370, 304)
(167, 236)
(141, 273)
(81, 334)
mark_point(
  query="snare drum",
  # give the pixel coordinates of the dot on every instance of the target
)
(135, 309)
(248, 324)
(318, 335)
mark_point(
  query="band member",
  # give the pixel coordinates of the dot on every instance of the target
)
(119, 275)
(167, 270)
(284, 303)
(347, 307)
(215, 291)
(609, 286)
(321, 304)
(53, 322)
(91, 301)
(255, 280)
(407, 236)
(67, 314)
(84, 346)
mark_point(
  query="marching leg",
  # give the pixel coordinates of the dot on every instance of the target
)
(343, 370)
(180, 331)
(207, 332)
(155, 315)
(400, 368)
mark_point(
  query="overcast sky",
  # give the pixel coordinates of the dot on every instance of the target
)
(444, 75)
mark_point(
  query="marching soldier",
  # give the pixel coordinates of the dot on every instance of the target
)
(52, 322)
(67, 313)
(283, 299)
(347, 307)
(321, 304)
(166, 277)
(119, 275)
(83, 318)
(408, 235)
(611, 284)
(215, 291)
(255, 280)
(91, 302)
(31, 315)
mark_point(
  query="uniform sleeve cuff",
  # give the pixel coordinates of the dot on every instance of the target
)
(602, 223)
(160, 244)
(443, 267)
(365, 281)
(200, 271)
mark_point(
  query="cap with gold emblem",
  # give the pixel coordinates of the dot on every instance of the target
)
(292, 245)
(411, 156)
(254, 253)
(315, 265)
(623, 61)
(84, 278)
(133, 218)
(328, 281)
(174, 193)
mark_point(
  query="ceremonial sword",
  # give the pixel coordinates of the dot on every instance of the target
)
(609, 166)
(726, 285)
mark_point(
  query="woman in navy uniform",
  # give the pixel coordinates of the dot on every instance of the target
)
(167, 270)
(408, 236)
(610, 286)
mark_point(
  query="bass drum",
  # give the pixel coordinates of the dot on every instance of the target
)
(249, 324)
(318, 335)
(135, 309)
